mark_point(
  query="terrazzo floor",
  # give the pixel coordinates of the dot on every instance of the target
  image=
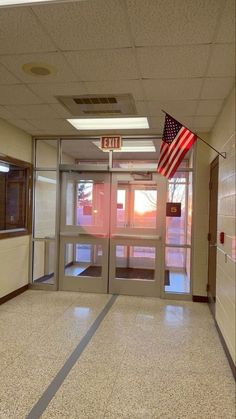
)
(149, 358)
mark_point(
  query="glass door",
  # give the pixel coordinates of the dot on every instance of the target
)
(137, 234)
(84, 232)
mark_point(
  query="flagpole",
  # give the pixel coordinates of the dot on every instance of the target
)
(223, 154)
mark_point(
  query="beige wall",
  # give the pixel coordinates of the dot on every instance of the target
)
(200, 218)
(223, 138)
(14, 252)
(14, 142)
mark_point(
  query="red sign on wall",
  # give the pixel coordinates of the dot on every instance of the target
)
(173, 209)
(111, 142)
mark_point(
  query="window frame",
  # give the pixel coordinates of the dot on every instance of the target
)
(27, 229)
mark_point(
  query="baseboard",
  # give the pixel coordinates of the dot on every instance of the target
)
(13, 294)
(200, 299)
(227, 353)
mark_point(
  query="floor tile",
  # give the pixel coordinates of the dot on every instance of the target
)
(149, 358)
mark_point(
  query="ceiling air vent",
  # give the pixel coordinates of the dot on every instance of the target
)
(97, 105)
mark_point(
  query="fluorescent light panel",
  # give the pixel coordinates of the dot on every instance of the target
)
(109, 123)
(25, 2)
(133, 146)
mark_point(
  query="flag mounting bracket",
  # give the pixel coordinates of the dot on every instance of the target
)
(223, 154)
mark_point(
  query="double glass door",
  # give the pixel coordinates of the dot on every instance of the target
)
(112, 231)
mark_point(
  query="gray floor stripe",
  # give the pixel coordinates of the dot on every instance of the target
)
(50, 392)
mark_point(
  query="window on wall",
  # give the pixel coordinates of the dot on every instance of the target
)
(15, 197)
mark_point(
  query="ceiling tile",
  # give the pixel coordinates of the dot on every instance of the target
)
(172, 89)
(58, 125)
(20, 32)
(226, 32)
(204, 122)
(116, 64)
(6, 77)
(23, 124)
(155, 122)
(17, 94)
(173, 22)
(222, 62)
(48, 91)
(116, 87)
(209, 107)
(60, 110)
(4, 113)
(173, 62)
(85, 24)
(158, 123)
(217, 88)
(174, 107)
(32, 111)
(62, 73)
(141, 107)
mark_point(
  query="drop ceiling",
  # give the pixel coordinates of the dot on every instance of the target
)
(176, 55)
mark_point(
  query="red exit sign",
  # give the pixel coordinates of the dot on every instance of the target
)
(111, 142)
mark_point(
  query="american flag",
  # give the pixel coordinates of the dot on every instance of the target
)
(176, 142)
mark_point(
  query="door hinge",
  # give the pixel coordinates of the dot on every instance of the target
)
(210, 185)
(207, 287)
(209, 237)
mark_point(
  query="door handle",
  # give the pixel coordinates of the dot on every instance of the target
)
(213, 245)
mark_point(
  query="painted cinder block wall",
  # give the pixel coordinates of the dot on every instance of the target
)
(223, 138)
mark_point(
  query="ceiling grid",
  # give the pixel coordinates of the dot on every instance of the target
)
(178, 55)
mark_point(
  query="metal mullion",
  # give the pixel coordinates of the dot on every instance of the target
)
(45, 169)
(58, 217)
(185, 246)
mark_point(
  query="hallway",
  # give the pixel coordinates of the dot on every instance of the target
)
(148, 358)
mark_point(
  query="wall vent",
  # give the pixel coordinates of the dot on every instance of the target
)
(96, 105)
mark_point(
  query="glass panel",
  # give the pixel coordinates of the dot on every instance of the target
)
(121, 211)
(85, 203)
(13, 197)
(177, 275)
(178, 192)
(77, 152)
(135, 262)
(43, 262)
(82, 259)
(45, 204)
(136, 206)
(145, 204)
(46, 153)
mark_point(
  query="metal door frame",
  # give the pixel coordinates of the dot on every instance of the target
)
(130, 236)
(72, 234)
(111, 235)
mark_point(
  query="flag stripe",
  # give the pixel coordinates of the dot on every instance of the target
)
(170, 155)
(181, 155)
(163, 157)
(177, 163)
(178, 151)
(176, 142)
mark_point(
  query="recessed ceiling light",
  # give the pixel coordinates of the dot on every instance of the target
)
(39, 69)
(109, 123)
(26, 2)
(143, 146)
